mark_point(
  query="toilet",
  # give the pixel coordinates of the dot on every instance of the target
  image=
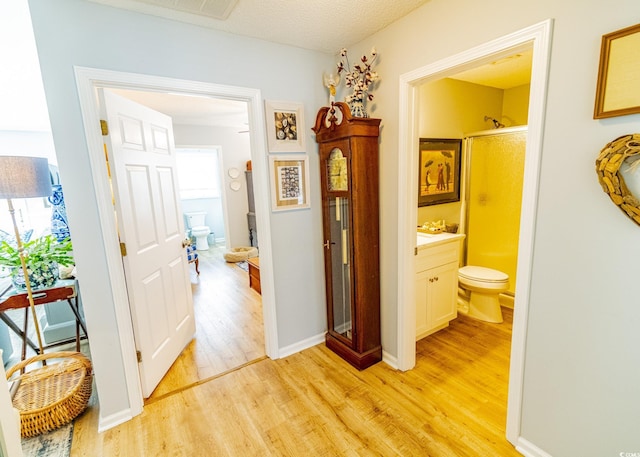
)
(195, 223)
(479, 290)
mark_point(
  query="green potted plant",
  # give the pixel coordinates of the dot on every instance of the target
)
(42, 256)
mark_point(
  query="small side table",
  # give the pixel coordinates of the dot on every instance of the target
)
(254, 273)
(62, 290)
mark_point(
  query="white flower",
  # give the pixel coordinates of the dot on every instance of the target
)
(361, 77)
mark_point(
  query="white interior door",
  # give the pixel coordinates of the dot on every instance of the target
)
(142, 160)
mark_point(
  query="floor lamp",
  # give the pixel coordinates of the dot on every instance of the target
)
(24, 177)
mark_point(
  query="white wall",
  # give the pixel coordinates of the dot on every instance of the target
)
(107, 38)
(581, 370)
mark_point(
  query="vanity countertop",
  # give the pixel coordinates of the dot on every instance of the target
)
(428, 240)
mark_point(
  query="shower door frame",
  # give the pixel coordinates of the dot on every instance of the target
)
(466, 176)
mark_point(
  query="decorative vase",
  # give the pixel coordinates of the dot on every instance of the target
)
(59, 225)
(356, 106)
(42, 276)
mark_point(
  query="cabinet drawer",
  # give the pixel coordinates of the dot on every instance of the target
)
(437, 255)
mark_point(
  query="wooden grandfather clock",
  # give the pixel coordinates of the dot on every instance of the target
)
(349, 181)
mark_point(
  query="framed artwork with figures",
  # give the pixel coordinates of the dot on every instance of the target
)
(285, 126)
(439, 171)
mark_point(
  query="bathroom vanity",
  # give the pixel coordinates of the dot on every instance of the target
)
(437, 260)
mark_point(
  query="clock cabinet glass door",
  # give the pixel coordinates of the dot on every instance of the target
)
(337, 243)
(340, 266)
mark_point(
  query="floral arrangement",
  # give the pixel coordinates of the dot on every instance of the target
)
(360, 79)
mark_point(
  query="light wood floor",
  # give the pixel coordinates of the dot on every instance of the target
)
(229, 325)
(314, 404)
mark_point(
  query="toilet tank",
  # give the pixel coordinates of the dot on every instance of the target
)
(195, 219)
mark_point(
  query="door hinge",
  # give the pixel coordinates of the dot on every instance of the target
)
(104, 127)
(139, 356)
(415, 251)
(123, 249)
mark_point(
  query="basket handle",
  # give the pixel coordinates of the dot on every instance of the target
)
(51, 355)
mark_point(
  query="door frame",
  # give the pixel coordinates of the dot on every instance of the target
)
(538, 36)
(87, 81)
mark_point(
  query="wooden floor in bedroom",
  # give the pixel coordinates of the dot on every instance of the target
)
(313, 403)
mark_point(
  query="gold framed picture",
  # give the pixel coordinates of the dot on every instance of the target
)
(289, 182)
(439, 171)
(618, 88)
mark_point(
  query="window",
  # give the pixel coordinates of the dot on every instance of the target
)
(198, 173)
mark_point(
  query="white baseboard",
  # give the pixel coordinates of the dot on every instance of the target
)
(105, 423)
(301, 345)
(390, 360)
(529, 449)
(506, 300)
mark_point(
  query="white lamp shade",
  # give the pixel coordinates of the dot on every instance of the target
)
(24, 177)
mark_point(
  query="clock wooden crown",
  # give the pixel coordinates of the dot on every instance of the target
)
(336, 122)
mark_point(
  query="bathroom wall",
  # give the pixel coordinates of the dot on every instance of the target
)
(450, 109)
(515, 106)
(453, 109)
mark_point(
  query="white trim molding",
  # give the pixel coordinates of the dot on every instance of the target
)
(537, 36)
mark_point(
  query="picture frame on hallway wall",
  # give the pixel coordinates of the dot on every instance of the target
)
(439, 171)
(285, 126)
(289, 182)
(618, 87)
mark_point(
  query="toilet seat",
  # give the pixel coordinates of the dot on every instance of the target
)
(483, 278)
(200, 228)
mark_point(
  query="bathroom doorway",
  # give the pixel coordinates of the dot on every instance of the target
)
(538, 38)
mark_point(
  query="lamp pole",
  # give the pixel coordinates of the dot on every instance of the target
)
(24, 177)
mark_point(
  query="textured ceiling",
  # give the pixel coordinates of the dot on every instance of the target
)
(322, 25)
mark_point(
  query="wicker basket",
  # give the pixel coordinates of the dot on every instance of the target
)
(53, 395)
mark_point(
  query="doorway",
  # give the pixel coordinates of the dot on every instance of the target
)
(539, 37)
(88, 81)
(211, 146)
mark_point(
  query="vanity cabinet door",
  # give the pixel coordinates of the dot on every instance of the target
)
(436, 288)
(442, 296)
(436, 298)
(422, 292)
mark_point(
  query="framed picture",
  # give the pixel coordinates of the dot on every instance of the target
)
(618, 88)
(439, 171)
(285, 126)
(289, 182)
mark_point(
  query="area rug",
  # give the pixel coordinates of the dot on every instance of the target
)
(244, 265)
(56, 443)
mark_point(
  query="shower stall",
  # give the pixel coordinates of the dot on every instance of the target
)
(493, 194)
